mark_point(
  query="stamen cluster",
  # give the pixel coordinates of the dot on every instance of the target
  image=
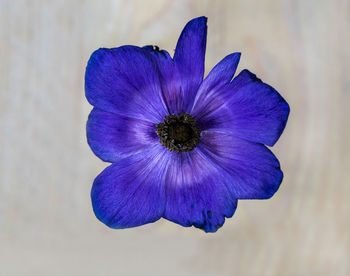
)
(179, 132)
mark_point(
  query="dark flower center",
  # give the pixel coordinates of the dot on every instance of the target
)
(179, 132)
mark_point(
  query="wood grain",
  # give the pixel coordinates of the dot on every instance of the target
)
(46, 223)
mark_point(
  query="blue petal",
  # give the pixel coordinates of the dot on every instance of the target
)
(246, 108)
(223, 72)
(189, 58)
(196, 192)
(125, 81)
(169, 79)
(112, 137)
(131, 192)
(250, 170)
(218, 77)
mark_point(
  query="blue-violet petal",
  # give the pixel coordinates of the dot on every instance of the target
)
(250, 170)
(218, 77)
(112, 137)
(196, 193)
(169, 79)
(189, 58)
(246, 108)
(131, 192)
(125, 81)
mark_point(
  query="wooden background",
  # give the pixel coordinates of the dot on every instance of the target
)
(47, 227)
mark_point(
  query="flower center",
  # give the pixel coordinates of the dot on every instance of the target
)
(179, 132)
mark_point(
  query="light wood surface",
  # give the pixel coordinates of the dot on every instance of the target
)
(46, 168)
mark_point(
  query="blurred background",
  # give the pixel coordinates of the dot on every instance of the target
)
(47, 226)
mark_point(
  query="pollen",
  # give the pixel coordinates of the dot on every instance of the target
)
(179, 132)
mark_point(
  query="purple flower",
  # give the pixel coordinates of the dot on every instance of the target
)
(181, 148)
